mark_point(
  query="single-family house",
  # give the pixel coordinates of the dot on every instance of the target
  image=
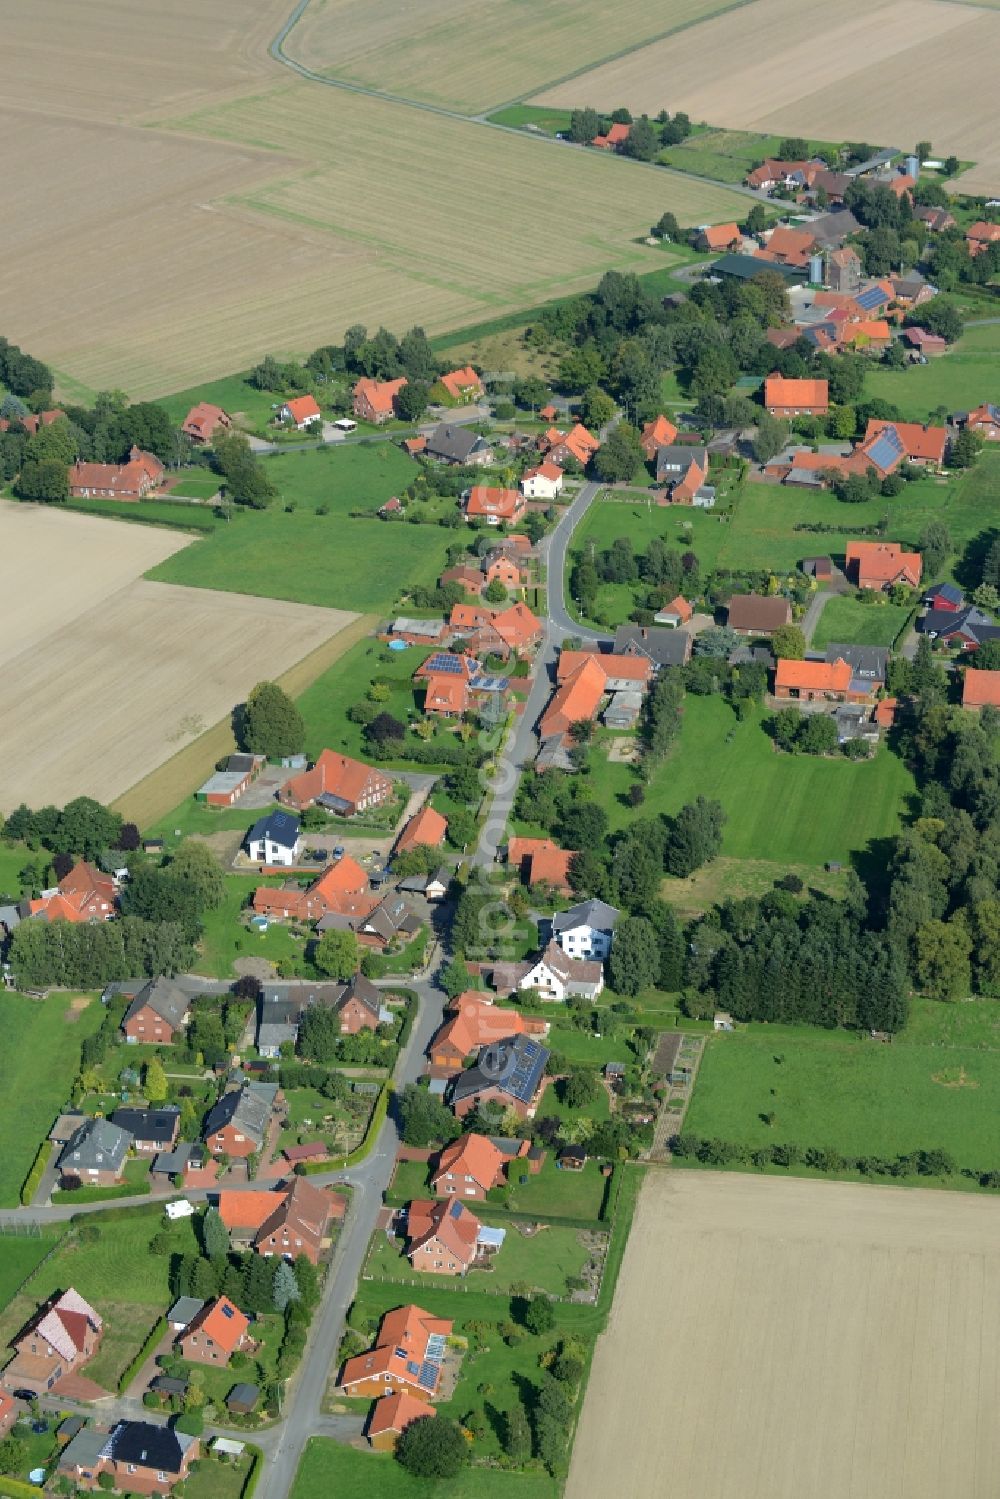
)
(980, 689)
(577, 444)
(812, 681)
(470, 1166)
(341, 888)
(139, 1457)
(967, 628)
(497, 507)
(390, 1416)
(539, 861)
(59, 1339)
(158, 1013)
(980, 235)
(427, 829)
(449, 443)
(95, 1154)
(375, 400)
(985, 421)
(659, 433)
(289, 1221)
(615, 137)
(675, 460)
(500, 567)
(787, 398)
(203, 421)
(556, 976)
(936, 219)
(152, 1130)
(474, 1021)
(869, 666)
(340, 784)
(215, 1333)
(117, 481)
(586, 930)
(85, 894)
(916, 442)
(510, 1072)
(463, 385)
(882, 564)
(301, 412)
(660, 645)
(441, 1237)
(719, 237)
(787, 246)
(237, 1124)
(758, 614)
(774, 173)
(543, 482)
(409, 1349)
(275, 839)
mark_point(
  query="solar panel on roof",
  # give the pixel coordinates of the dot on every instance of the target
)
(444, 664)
(873, 297)
(884, 451)
(455, 1211)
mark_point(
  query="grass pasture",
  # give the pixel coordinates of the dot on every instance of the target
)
(936, 1086)
(849, 621)
(328, 1467)
(33, 1096)
(761, 53)
(848, 1333)
(18, 1258)
(958, 380)
(788, 809)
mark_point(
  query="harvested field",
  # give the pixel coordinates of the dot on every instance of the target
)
(113, 688)
(811, 1340)
(474, 59)
(755, 70)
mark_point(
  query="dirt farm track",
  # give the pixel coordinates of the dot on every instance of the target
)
(791, 1339)
(106, 675)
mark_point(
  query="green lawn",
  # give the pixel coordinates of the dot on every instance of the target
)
(551, 1193)
(547, 120)
(33, 1094)
(723, 155)
(801, 809)
(324, 705)
(226, 938)
(218, 1480)
(173, 513)
(958, 380)
(936, 1086)
(13, 857)
(196, 484)
(328, 1468)
(18, 1257)
(542, 1262)
(340, 560)
(118, 1275)
(850, 621)
(233, 393)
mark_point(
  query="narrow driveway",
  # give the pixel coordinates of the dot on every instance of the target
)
(554, 549)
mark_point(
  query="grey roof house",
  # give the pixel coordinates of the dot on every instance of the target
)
(868, 663)
(97, 1149)
(453, 444)
(514, 1067)
(661, 645)
(164, 998)
(151, 1129)
(246, 1110)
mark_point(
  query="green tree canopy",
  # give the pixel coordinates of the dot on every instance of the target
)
(270, 723)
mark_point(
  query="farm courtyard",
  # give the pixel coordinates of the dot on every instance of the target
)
(777, 1339)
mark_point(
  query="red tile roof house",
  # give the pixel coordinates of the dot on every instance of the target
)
(117, 481)
(812, 681)
(985, 420)
(427, 829)
(719, 237)
(497, 507)
(786, 398)
(32, 423)
(473, 1022)
(757, 613)
(881, 564)
(60, 1338)
(301, 412)
(544, 482)
(659, 433)
(390, 1417)
(84, 894)
(674, 614)
(340, 784)
(787, 246)
(407, 1355)
(773, 173)
(578, 698)
(470, 578)
(289, 1221)
(470, 1166)
(375, 400)
(980, 689)
(442, 1237)
(501, 568)
(577, 444)
(463, 385)
(539, 861)
(343, 888)
(617, 136)
(979, 235)
(158, 1013)
(204, 420)
(215, 1333)
(916, 441)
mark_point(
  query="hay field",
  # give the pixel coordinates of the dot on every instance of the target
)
(833, 73)
(107, 675)
(470, 57)
(789, 1339)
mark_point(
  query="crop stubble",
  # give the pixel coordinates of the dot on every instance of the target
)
(788, 1339)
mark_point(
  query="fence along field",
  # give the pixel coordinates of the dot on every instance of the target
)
(120, 685)
(831, 73)
(775, 1339)
(466, 57)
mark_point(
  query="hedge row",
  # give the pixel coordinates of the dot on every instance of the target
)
(156, 1332)
(256, 1468)
(36, 1173)
(935, 1163)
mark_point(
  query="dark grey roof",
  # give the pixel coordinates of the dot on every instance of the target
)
(867, 662)
(456, 444)
(391, 917)
(745, 267)
(970, 622)
(515, 1065)
(164, 998)
(664, 647)
(157, 1125)
(594, 913)
(364, 991)
(164, 1384)
(149, 1446)
(243, 1394)
(279, 827)
(97, 1145)
(172, 1162)
(833, 228)
(946, 591)
(247, 1109)
(185, 1309)
(673, 458)
(240, 762)
(84, 1449)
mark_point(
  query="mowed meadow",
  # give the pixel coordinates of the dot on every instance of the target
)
(845, 72)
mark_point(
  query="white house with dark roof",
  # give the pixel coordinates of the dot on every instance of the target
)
(556, 976)
(275, 839)
(586, 930)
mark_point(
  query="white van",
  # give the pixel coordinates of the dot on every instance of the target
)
(344, 424)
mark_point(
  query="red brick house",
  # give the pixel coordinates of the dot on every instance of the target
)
(442, 1237)
(785, 398)
(375, 400)
(882, 564)
(341, 890)
(407, 1356)
(659, 433)
(812, 681)
(215, 1333)
(61, 1337)
(577, 443)
(985, 420)
(470, 1166)
(117, 481)
(340, 784)
(157, 1014)
(139, 1456)
(84, 894)
(473, 1022)
(204, 420)
(719, 237)
(237, 1124)
(390, 1417)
